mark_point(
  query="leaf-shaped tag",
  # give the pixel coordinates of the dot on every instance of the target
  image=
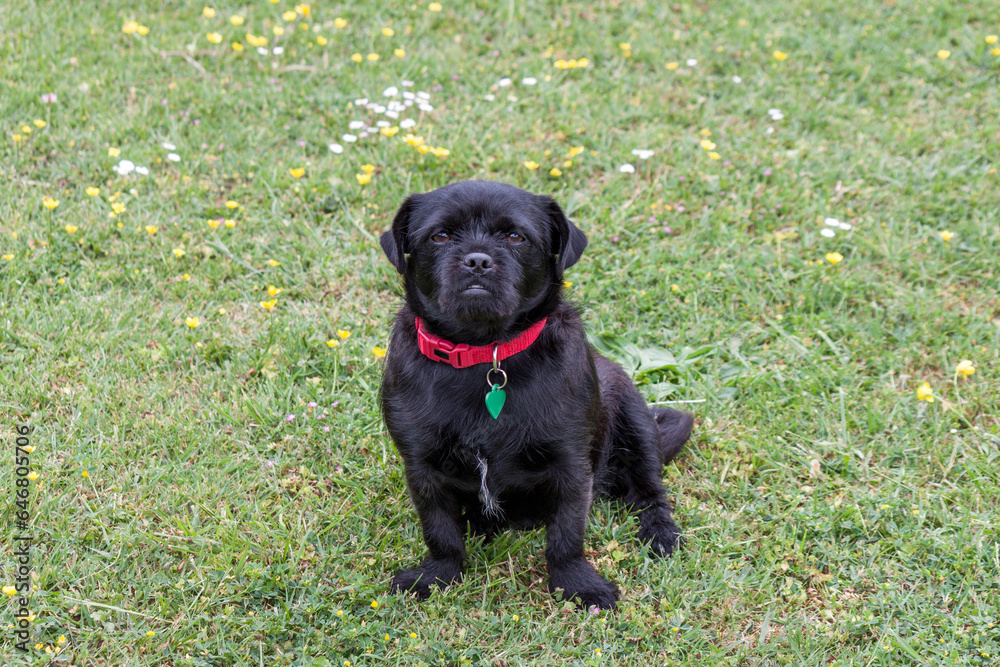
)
(495, 400)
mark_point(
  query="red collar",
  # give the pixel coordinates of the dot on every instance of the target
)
(463, 356)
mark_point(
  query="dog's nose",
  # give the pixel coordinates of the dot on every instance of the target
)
(478, 262)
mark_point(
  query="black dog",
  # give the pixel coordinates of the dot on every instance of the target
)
(501, 411)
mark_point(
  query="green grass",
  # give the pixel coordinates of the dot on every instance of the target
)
(831, 516)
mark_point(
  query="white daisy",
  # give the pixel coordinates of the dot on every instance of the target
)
(173, 157)
(627, 168)
(529, 80)
(349, 138)
(407, 123)
(124, 167)
(336, 148)
(169, 146)
(391, 91)
(642, 153)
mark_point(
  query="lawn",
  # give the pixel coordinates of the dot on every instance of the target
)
(794, 220)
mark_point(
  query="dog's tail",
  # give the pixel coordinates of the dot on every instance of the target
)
(675, 429)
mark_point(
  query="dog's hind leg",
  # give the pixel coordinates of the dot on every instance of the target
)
(641, 443)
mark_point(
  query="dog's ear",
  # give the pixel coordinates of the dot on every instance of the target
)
(394, 241)
(568, 242)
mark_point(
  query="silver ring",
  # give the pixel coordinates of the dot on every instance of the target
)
(498, 370)
(496, 364)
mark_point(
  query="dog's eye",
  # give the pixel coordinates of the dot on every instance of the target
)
(514, 237)
(440, 237)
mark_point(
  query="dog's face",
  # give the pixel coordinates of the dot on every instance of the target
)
(481, 257)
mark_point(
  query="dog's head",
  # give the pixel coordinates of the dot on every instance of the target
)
(482, 259)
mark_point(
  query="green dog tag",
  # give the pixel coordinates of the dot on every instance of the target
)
(495, 400)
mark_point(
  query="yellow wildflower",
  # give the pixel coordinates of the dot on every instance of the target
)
(297, 172)
(236, 19)
(129, 27)
(214, 37)
(943, 54)
(305, 10)
(290, 16)
(214, 223)
(114, 152)
(965, 368)
(991, 39)
(708, 145)
(339, 22)
(269, 305)
(946, 235)
(389, 131)
(779, 55)
(357, 57)
(232, 204)
(400, 53)
(372, 57)
(143, 30)
(555, 171)
(10, 590)
(388, 32)
(363, 179)
(230, 222)
(273, 291)
(273, 262)
(321, 40)
(714, 156)
(925, 393)
(39, 123)
(378, 352)
(50, 203)
(71, 229)
(152, 229)
(333, 343)
(530, 164)
(434, 7)
(208, 13)
(192, 322)
(237, 46)
(413, 140)
(440, 151)
(673, 65)
(255, 40)
(179, 252)
(834, 257)
(278, 30)
(33, 475)
(93, 192)
(344, 334)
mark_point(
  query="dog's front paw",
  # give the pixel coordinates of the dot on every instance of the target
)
(578, 579)
(420, 579)
(662, 535)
